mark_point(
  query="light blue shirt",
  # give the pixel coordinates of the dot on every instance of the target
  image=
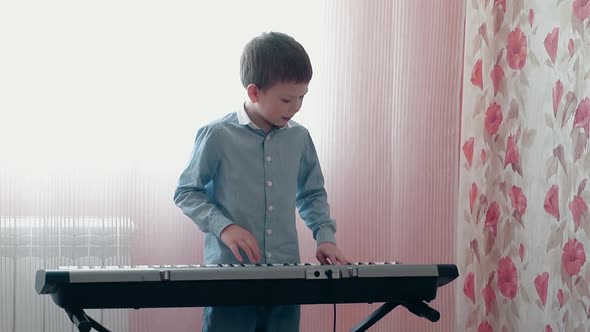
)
(239, 174)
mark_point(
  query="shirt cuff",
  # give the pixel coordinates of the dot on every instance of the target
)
(325, 235)
(218, 224)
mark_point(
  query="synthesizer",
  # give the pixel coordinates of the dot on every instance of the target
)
(75, 288)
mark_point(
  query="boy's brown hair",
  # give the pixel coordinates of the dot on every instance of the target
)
(274, 57)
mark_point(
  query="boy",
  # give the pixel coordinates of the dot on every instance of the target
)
(248, 173)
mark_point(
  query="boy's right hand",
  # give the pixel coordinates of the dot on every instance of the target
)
(236, 237)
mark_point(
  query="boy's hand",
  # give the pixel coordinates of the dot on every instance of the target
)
(328, 253)
(236, 237)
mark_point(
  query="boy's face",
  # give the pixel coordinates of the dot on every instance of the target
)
(276, 105)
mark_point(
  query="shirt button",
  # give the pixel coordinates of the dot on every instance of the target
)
(268, 254)
(269, 183)
(269, 231)
(268, 158)
(270, 208)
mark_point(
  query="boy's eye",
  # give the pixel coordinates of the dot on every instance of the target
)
(285, 100)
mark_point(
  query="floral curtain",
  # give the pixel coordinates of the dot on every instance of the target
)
(523, 223)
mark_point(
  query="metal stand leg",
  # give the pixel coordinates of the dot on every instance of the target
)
(83, 322)
(419, 308)
(375, 316)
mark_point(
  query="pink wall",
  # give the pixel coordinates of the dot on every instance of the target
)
(387, 134)
(386, 124)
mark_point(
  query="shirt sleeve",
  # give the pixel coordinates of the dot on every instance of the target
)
(191, 194)
(312, 199)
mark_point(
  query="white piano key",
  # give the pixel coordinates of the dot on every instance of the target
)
(114, 275)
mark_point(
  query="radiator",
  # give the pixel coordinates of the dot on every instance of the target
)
(31, 243)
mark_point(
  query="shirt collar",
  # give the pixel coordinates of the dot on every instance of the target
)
(244, 119)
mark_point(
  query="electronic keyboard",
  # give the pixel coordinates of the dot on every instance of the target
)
(76, 288)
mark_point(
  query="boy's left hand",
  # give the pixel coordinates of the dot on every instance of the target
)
(328, 253)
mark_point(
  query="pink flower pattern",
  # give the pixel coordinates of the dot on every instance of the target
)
(541, 285)
(557, 94)
(551, 44)
(512, 156)
(518, 199)
(560, 297)
(507, 278)
(551, 204)
(516, 50)
(492, 217)
(582, 116)
(485, 327)
(468, 150)
(496, 75)
(476, 77)
(489, 297)
(493, 118)
(469, 287)
(578, 208)
(500, 4)
(573, 257)
(581, 9)
(472, 196)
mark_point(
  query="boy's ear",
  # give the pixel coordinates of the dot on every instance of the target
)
(253, 92)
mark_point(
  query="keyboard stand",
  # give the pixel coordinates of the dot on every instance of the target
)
(418, 308)
(83, 322)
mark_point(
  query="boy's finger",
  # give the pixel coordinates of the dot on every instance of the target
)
(258, 253)
(321, 258)
(255, 249)
(341, 260)
(236, 252)
(244, 245)
(251, 242)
